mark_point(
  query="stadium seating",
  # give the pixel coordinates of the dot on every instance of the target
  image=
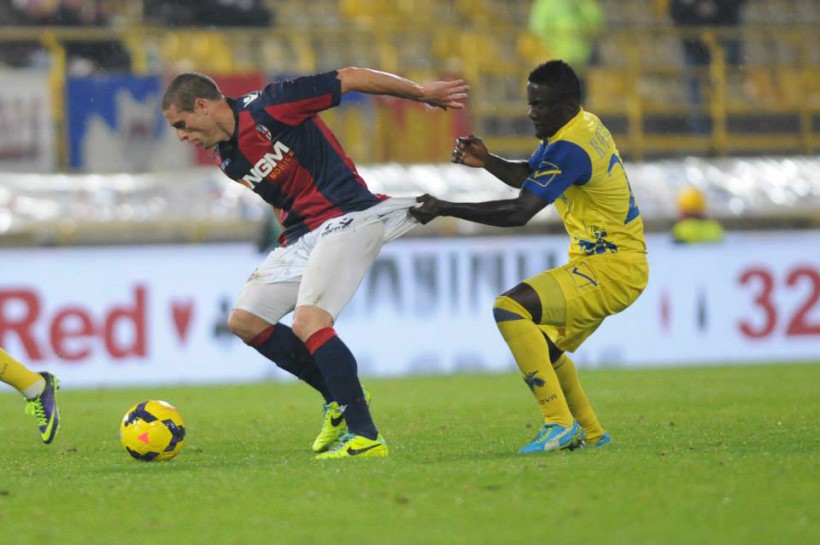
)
(638, 84)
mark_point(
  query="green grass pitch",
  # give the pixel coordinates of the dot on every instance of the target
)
(712, 455)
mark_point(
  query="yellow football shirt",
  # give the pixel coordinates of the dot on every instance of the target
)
(580, 171)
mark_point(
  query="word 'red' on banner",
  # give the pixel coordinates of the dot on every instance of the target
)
(158, 313)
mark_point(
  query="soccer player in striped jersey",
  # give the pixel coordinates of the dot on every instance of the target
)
(577, 168)
(273, 142)
(40, 389)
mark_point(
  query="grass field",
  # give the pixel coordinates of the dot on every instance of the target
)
(700, 456)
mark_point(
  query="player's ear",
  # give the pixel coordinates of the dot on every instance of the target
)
(200, 106)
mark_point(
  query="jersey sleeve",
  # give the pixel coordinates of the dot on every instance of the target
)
(535, 158)
(557, 167)
(293, 101)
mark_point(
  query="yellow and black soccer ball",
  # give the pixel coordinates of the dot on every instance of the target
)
(152, 431)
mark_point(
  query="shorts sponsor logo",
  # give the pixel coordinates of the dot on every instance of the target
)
(337, 227)
(582, 275)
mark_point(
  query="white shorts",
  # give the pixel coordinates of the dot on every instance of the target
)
(325, 267)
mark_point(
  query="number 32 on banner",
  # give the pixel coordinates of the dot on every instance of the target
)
(800, 322)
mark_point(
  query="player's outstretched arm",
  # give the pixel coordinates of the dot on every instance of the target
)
(440, 94)
(503, 213)
(472, 152)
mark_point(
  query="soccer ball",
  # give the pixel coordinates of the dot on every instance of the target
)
(152, 431)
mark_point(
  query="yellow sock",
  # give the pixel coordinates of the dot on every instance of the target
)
(577, 398)
(531, 353)
(15, 374)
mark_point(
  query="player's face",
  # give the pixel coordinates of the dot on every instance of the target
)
(547, 114)
(198, 127)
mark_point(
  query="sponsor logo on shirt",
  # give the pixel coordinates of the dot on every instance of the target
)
(546, 173)
(270, 165)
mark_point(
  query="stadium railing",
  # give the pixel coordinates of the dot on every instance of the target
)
(770, 104)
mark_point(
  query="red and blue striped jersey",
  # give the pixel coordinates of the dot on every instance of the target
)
(283, 152)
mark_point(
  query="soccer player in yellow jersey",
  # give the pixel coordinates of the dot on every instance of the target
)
(577, 168)
(40, 389)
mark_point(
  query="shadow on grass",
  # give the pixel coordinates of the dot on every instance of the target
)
(196, 462)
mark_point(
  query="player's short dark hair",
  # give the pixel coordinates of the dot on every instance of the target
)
(185, 88)
(560, 77)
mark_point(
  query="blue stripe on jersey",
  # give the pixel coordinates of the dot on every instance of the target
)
(614, 160)
(633, 211)
(302, 89)
(555, 167)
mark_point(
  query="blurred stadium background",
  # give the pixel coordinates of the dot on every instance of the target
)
(86, 159)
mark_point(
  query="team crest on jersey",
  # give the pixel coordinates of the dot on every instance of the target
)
(545, 173)
(264, 133)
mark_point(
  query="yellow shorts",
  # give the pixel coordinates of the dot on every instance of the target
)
(593, 287)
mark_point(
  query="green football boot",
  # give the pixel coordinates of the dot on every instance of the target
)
(352, 446)
(333, 424)
(44, 409)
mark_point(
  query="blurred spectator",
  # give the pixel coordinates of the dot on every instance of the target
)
(567, 30)
(693, 225)
(15, 54)
(697, 56)
(12, 12)
(83, 56)
(224, 13)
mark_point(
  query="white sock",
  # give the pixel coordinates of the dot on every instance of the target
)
(35, 389)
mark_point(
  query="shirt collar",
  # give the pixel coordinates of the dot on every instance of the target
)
(235, 110)
(559, 134)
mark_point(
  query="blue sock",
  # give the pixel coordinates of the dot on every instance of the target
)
(282, 347)
(340, 371)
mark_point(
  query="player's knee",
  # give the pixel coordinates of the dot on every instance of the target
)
(234, 324)
(526, 299)
(245, 325)
(506, 308)
(309, 319)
